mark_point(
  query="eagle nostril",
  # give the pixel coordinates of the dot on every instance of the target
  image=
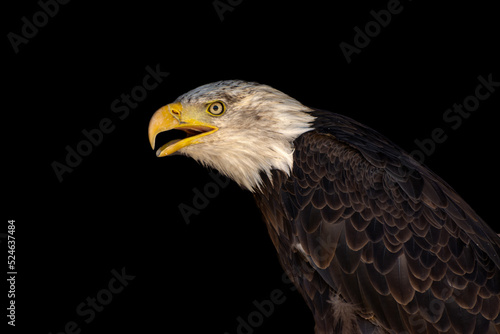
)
(175, 112)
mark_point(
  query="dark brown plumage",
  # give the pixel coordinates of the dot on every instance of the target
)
(374, 241)
(382, 237)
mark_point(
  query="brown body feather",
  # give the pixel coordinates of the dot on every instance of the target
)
(376, 242)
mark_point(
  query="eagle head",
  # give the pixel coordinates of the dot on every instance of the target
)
(239, 128)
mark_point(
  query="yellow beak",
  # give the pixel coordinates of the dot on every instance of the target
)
(171, 117)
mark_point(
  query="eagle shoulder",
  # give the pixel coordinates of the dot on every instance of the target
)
(384, 233)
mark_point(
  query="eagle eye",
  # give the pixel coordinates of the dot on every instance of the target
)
(216, 108)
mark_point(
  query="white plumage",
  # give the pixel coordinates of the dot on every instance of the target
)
(246, 145)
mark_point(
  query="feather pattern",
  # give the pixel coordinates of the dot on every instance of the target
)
(374, 241)
(387, 244)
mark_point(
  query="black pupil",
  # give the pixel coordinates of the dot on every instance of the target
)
(215, 108)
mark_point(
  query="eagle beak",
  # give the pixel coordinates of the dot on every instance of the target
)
(171, 117)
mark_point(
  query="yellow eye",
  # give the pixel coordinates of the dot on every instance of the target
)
(216, 108)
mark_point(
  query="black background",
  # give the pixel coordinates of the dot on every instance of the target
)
(119, 207)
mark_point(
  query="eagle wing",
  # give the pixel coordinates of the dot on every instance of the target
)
(384, 238)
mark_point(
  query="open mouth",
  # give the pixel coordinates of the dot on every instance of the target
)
(192, 133)
(170, 117)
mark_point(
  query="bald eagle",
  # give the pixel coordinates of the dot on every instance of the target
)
(374, 241)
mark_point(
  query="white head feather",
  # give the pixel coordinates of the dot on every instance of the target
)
(256, 132)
